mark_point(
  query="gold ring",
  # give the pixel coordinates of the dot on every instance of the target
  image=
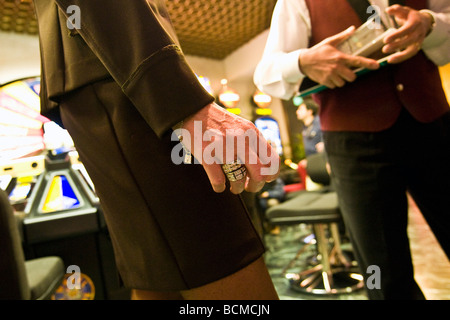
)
(234, 171)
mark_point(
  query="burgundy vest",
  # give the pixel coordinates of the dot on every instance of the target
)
(373, 102)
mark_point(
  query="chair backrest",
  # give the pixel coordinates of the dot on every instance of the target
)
(317, 169)
(13, 277)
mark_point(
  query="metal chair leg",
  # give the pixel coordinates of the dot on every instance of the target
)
(326, 277)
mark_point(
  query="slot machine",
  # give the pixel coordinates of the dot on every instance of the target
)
(52, 195)
(264, 121)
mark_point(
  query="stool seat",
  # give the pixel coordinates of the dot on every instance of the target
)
(306, 207)
(44, 276)
(334, 273)
(19, 279)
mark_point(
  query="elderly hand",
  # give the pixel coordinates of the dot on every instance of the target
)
(408, 39)
(325, 64)
(216, 137)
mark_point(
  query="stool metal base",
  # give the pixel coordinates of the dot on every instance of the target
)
(334, 274)
(315, 281)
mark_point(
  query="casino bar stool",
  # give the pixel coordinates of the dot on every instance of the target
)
(334, 273)
(35, 279)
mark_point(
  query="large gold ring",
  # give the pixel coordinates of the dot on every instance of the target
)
(234, 171)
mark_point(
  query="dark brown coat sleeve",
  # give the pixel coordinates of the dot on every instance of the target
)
(135, 41)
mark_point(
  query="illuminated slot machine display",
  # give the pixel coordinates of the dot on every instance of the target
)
(52, 195)
(271, 131)
(48, 188)
(21, 140)
(265, 123)
(21, 132)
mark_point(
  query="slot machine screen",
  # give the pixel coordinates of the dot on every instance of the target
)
(21, 124)
(20, 190)
(271, 131)
(60, 195)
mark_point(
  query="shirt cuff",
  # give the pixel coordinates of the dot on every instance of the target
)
(439, 33)
(289, 67)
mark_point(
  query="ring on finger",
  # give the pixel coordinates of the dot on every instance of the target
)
(234, 171)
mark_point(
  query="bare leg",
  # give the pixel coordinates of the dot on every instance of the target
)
(153, 295)
(250, 283)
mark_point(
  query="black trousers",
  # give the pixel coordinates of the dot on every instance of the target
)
(373, 173)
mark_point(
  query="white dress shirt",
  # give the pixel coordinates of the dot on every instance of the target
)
(278, 74)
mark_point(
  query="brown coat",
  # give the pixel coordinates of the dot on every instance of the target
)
(139, 67)
(118, 96)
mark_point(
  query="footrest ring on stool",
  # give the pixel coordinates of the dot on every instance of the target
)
(315, 281)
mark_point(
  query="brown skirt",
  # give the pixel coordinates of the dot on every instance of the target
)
(170, 230)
